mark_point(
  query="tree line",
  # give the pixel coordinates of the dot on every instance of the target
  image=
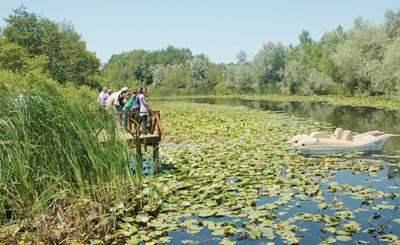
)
(364, 60)
(32, 43)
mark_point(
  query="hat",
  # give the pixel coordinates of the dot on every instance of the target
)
(124, 89)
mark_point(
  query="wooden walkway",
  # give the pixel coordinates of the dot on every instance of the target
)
(134, 133)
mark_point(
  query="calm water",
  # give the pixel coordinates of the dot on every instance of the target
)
(356, 119)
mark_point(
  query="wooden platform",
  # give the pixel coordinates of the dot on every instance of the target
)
(134, 135)
(148, 139)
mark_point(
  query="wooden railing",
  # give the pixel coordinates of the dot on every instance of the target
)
(153, 124)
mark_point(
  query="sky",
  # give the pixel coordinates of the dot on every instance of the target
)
(216, 28)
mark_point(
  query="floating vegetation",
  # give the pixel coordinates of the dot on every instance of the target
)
(233, 179)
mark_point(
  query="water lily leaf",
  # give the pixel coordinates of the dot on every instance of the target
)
(165, 239)
(207, 213)
(132, 230)
(128, 219)
(218, 232)
(329, 229)
(226, 241)
(342, 232)
(352, 227)
(388, 237)
(268, 232)
(124, 226)
(383, 206)
(142, 218)
(134, 241)
(193, 229)
(96, 242)
(343, 238)
(322, 205)
(330, 240)
(254, 234)
(185, 204)
(189, 242)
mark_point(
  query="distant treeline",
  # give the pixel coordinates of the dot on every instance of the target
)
(364, 60)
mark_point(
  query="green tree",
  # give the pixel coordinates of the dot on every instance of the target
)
(14, 58)
(389, 76)
(241, 57)
(305, 38)
(267, 64)
(68, 60)
(392, 23)
(138, 64)
(360, 57)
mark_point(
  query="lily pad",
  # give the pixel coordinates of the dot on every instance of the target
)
(343, 238)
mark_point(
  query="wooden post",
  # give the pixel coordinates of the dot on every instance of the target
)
(156, 153)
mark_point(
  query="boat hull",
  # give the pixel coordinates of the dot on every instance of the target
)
(333, 149)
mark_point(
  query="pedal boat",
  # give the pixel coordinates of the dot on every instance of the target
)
(340, 141)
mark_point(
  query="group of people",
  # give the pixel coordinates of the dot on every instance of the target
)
(123, 102)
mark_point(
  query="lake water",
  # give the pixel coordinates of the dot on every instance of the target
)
(356, 119)
(374, 223)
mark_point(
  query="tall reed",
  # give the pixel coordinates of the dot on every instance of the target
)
(49, 151)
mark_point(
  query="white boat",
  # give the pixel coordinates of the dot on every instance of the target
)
(340, 141)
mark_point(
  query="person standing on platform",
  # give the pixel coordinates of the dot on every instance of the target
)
(101, 99)
(131, 105)
(144, 110)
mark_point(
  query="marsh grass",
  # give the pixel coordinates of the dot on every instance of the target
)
(50, 158)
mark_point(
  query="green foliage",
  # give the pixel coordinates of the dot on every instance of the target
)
(389, 80)
(241, 57)
(360, 57)
(139, 64)
(14, 58)
(360, 61)
(49, 152)
(267, 64)
(294, 76)
(66, 58)
(239, 77)
(392, 23)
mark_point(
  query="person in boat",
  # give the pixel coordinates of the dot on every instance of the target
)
(143, 110)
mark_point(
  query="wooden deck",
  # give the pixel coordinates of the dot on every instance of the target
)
(134, 133)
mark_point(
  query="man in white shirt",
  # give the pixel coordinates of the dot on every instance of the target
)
(102, 97)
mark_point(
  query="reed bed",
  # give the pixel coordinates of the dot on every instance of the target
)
(51, 161)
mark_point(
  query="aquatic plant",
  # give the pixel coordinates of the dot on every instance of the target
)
(230, 176)
(51, 161)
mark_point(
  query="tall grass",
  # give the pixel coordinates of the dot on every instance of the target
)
(49, 151)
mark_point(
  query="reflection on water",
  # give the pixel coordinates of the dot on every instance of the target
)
(356, 119)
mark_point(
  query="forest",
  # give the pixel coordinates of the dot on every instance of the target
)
(361, 61)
